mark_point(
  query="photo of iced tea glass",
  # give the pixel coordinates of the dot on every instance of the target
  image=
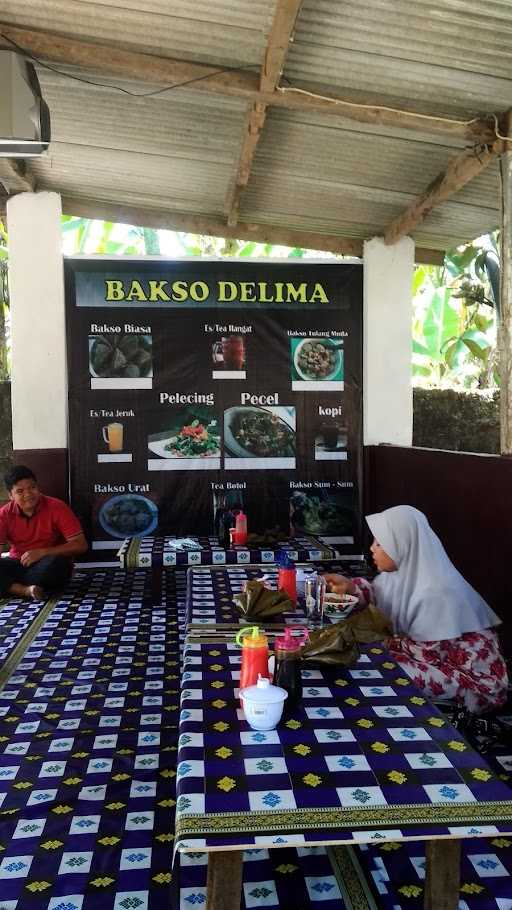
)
(113, 436)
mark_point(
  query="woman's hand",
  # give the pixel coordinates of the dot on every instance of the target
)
(338, 584)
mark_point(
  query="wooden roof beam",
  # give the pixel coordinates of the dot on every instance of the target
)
(107, 60)
(147, 68)
(460, 171)
(14, 177)
(283, 23)
(216, 227)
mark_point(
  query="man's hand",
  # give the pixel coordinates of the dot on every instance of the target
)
(32, 556)
(338, 584)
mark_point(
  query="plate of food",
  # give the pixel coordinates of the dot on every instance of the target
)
(321, 514)
(128, 515)
(252, 432)
(120, 356)
(317, 358)
(192, 440)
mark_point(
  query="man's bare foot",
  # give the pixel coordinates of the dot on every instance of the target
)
(34, 592)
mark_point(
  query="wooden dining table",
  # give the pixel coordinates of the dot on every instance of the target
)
(364, 758)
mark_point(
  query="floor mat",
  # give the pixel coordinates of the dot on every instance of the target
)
(301, 878)
(27, 620)
(15, 618)
(88, 753)
(397, 873)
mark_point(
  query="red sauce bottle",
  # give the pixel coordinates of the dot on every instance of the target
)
(287, 575)
(287, 582)
(241, 529)
(254, 655)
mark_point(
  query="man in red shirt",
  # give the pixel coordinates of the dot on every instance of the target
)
(44, 536)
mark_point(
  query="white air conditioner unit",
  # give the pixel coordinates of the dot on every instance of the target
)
(24, 116)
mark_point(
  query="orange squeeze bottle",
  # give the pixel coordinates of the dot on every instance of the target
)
(254, 655)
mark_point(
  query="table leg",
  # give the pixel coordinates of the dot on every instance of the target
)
(224, 883)
(442, 880)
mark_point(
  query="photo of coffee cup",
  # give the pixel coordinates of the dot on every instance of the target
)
(330, 433)
(113, 436)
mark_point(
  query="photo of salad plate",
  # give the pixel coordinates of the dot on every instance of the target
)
(192, 440)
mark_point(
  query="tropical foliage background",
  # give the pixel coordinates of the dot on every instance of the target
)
(455, 306)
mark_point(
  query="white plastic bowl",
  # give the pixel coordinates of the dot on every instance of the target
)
(263, 704)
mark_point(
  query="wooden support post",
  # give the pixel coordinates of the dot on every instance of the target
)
(442, 880)
(505, 327)
(224, 882)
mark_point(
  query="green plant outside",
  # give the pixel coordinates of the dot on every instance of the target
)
(453, 322)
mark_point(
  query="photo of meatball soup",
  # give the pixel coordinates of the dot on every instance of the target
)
(317, 359)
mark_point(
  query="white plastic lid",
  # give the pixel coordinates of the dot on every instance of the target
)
(264, 692)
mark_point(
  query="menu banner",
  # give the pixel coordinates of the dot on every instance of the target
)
(198, 386)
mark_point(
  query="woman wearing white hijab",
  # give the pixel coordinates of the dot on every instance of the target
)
(443, 631)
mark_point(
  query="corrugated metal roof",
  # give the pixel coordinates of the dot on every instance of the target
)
(295, 145)
(220, 31)
(449, 56)
(180, 124)
(178, 151)
(356, 211)
(177, 184)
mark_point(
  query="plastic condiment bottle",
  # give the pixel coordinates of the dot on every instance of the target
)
(254, 655)
(287, 577)
(287, 673)
(241, 528)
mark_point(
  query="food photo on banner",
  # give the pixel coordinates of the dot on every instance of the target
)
(197, 386)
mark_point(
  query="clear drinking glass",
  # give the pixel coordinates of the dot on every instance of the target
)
(315, 589)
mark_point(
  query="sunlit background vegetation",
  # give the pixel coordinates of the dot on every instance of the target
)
(455, 306)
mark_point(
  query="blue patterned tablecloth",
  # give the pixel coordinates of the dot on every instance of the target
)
(364, 758)
(147, 552)
(210, 593)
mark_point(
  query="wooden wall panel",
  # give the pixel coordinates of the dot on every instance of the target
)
(50, 467)
(468, 501)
